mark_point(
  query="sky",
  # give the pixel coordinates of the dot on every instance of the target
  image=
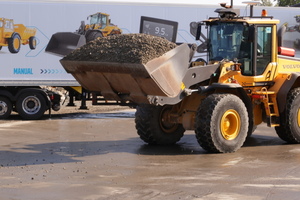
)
(199, 2)
(209, 2)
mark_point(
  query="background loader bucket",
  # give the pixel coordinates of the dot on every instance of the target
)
(161, 76)
(63, 43)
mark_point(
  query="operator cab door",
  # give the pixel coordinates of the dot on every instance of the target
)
(261, 59)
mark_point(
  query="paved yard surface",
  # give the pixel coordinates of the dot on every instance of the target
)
(96, 154)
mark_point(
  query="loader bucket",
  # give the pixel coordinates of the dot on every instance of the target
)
(161, 76)
(63, 43)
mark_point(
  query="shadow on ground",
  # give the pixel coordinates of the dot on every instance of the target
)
(65, 152)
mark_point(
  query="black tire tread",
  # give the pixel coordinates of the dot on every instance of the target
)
(205, 126)
(9, 106)
(11, 47)
(93, 35)
(35, 116)
(148, 127)
(284, 131)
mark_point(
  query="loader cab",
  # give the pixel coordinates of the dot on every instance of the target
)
(251, 44)
(7, 25)
(6, 30)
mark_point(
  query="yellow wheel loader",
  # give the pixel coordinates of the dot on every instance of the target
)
(247, 79)
(13, 35)
(62, 43)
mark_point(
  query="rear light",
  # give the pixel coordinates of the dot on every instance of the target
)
(258, 96)
(286, 51)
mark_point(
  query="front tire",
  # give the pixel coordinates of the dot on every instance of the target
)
(289, 129)
(14, 43)
(31, 106)
(221, 123)
(153, 128)
(93, 35)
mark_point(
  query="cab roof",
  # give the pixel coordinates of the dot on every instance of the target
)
(232, 15)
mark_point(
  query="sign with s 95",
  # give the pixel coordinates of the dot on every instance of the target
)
(159, 27)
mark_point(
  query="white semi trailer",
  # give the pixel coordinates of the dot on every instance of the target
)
(22, 75)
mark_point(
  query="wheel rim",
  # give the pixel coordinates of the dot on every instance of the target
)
(31, 105)
(230, 124)
(165, 124)
(3, 108)
(34, 43)
(16, 43)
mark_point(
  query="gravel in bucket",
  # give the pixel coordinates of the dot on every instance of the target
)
(123, 48)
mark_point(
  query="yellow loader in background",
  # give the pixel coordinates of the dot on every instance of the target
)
(13, 35)
(62, 43)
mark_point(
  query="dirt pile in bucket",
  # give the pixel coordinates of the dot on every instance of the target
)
(123, 48)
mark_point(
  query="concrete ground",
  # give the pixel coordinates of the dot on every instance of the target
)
(97, 154)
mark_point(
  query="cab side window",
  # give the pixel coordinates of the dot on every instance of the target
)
(264, 48)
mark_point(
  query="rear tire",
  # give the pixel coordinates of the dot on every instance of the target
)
(289, 129)
(14, 43)
(221, 123)
(5, 107)
(31, 106)
(153, 129)
(32, 43)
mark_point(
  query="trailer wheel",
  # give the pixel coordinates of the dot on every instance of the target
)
(289, 129)
(5, 107)
(32, 42)
(153, 128)
(93, 35)
(221, 123)
(31, 105)
(14, 43)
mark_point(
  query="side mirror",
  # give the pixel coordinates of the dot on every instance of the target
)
(281, 31)
(198, 34)
(193, 28)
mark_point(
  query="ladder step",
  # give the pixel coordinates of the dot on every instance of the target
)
(273, 125)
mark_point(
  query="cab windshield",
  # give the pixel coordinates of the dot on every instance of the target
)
(226, 40)
(94, 19)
